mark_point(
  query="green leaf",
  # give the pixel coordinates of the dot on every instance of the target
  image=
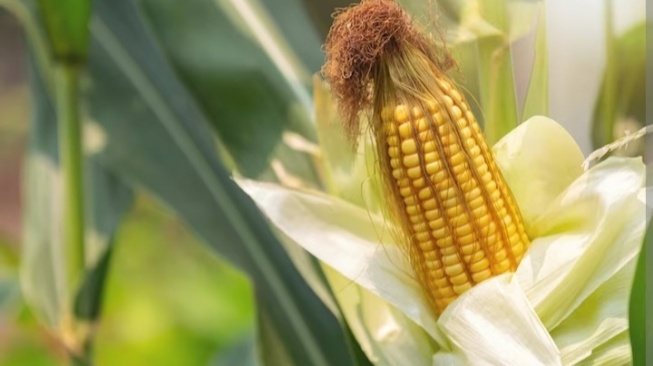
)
(638, 301)
(496, 78)
(158, 137)
(249, 97)
(321, 13)
(497, 88)
(316, 276)
(110, 201)
(537, 96)
(42, 267)
(66, 24)
(242, 352)
(303, 25)
(623, 89)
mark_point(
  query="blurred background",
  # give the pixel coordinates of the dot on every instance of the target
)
(169, 299)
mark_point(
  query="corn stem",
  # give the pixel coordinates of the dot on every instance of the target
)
(70, 157)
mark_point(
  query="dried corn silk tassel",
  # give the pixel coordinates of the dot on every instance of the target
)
(459, 222)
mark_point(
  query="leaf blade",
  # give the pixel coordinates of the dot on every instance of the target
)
(152, 115)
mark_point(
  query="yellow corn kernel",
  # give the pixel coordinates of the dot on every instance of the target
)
(401, 113)
(411, 161)
(393, 141)
(408, 146)
(416, 112)
(405, 130)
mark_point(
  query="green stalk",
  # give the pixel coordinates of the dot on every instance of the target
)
(70, 156)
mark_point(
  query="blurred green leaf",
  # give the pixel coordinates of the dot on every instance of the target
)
(66, 24)
(623, 90)
(244, 93)
(496, 78)
(312, 271)
(42, 267)
(9, 288)
(169, 300)
(497, 89)
(321, 13)
(300, 25)
(109, 201)
(638, 304)
(242, 353)
(158, 137)
(537, 96)
(24, 344)
(472, 20)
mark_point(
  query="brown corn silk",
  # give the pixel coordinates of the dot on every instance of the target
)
(459, 223)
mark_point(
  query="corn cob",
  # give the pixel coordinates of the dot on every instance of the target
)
(459, 223)
(456, 211)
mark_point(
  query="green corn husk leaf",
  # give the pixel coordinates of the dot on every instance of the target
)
(345, 173)
(537, 95)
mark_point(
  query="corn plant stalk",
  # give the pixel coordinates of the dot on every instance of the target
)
(65, 23)
(74, 332)
(70, 155)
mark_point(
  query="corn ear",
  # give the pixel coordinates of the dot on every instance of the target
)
(458, 221)
(456, 212)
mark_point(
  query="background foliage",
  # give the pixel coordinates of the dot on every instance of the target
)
(177, 95)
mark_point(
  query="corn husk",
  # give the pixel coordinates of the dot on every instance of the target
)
(567, 303)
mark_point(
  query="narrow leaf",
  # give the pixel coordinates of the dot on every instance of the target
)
(537, 96)
(43, 264)
(497, 88)
(623, 90)
(245, 95)
(160, 139)
(638, 304)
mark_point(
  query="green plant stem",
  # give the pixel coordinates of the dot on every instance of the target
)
(70, 157)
